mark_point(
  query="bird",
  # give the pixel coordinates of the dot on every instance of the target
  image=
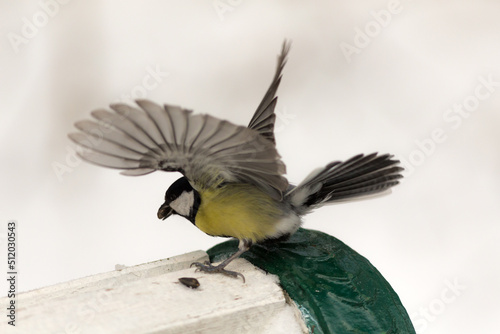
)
(233, 180)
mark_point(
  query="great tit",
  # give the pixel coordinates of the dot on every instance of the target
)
(233, 182)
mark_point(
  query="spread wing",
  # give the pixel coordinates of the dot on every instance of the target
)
(264, 117)
(205, 149)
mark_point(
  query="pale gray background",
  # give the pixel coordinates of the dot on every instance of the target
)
(438, 228)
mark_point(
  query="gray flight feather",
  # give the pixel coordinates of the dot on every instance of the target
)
(264, 117)
(205, 149)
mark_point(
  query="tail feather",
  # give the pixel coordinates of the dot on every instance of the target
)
(357, 177)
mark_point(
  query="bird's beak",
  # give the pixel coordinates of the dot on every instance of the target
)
(164, 211)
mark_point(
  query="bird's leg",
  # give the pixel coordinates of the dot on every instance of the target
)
(207, 267)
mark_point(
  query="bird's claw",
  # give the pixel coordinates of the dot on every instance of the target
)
(211, 269)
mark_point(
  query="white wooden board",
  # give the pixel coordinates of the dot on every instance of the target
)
(148, 298)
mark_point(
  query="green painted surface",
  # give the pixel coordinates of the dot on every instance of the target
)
(336, 289)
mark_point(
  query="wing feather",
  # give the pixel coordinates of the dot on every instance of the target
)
(264, 117)
(95, 130)
(205, 149)
(124, 125)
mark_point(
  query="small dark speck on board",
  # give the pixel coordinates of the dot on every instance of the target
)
(190, 282)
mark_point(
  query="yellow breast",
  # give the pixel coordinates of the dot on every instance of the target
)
(238, 210)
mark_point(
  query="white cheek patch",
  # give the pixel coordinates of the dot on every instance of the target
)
(183, 204)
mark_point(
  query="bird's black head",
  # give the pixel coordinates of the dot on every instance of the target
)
(180, 199)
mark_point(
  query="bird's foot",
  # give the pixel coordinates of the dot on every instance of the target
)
(210, 268)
